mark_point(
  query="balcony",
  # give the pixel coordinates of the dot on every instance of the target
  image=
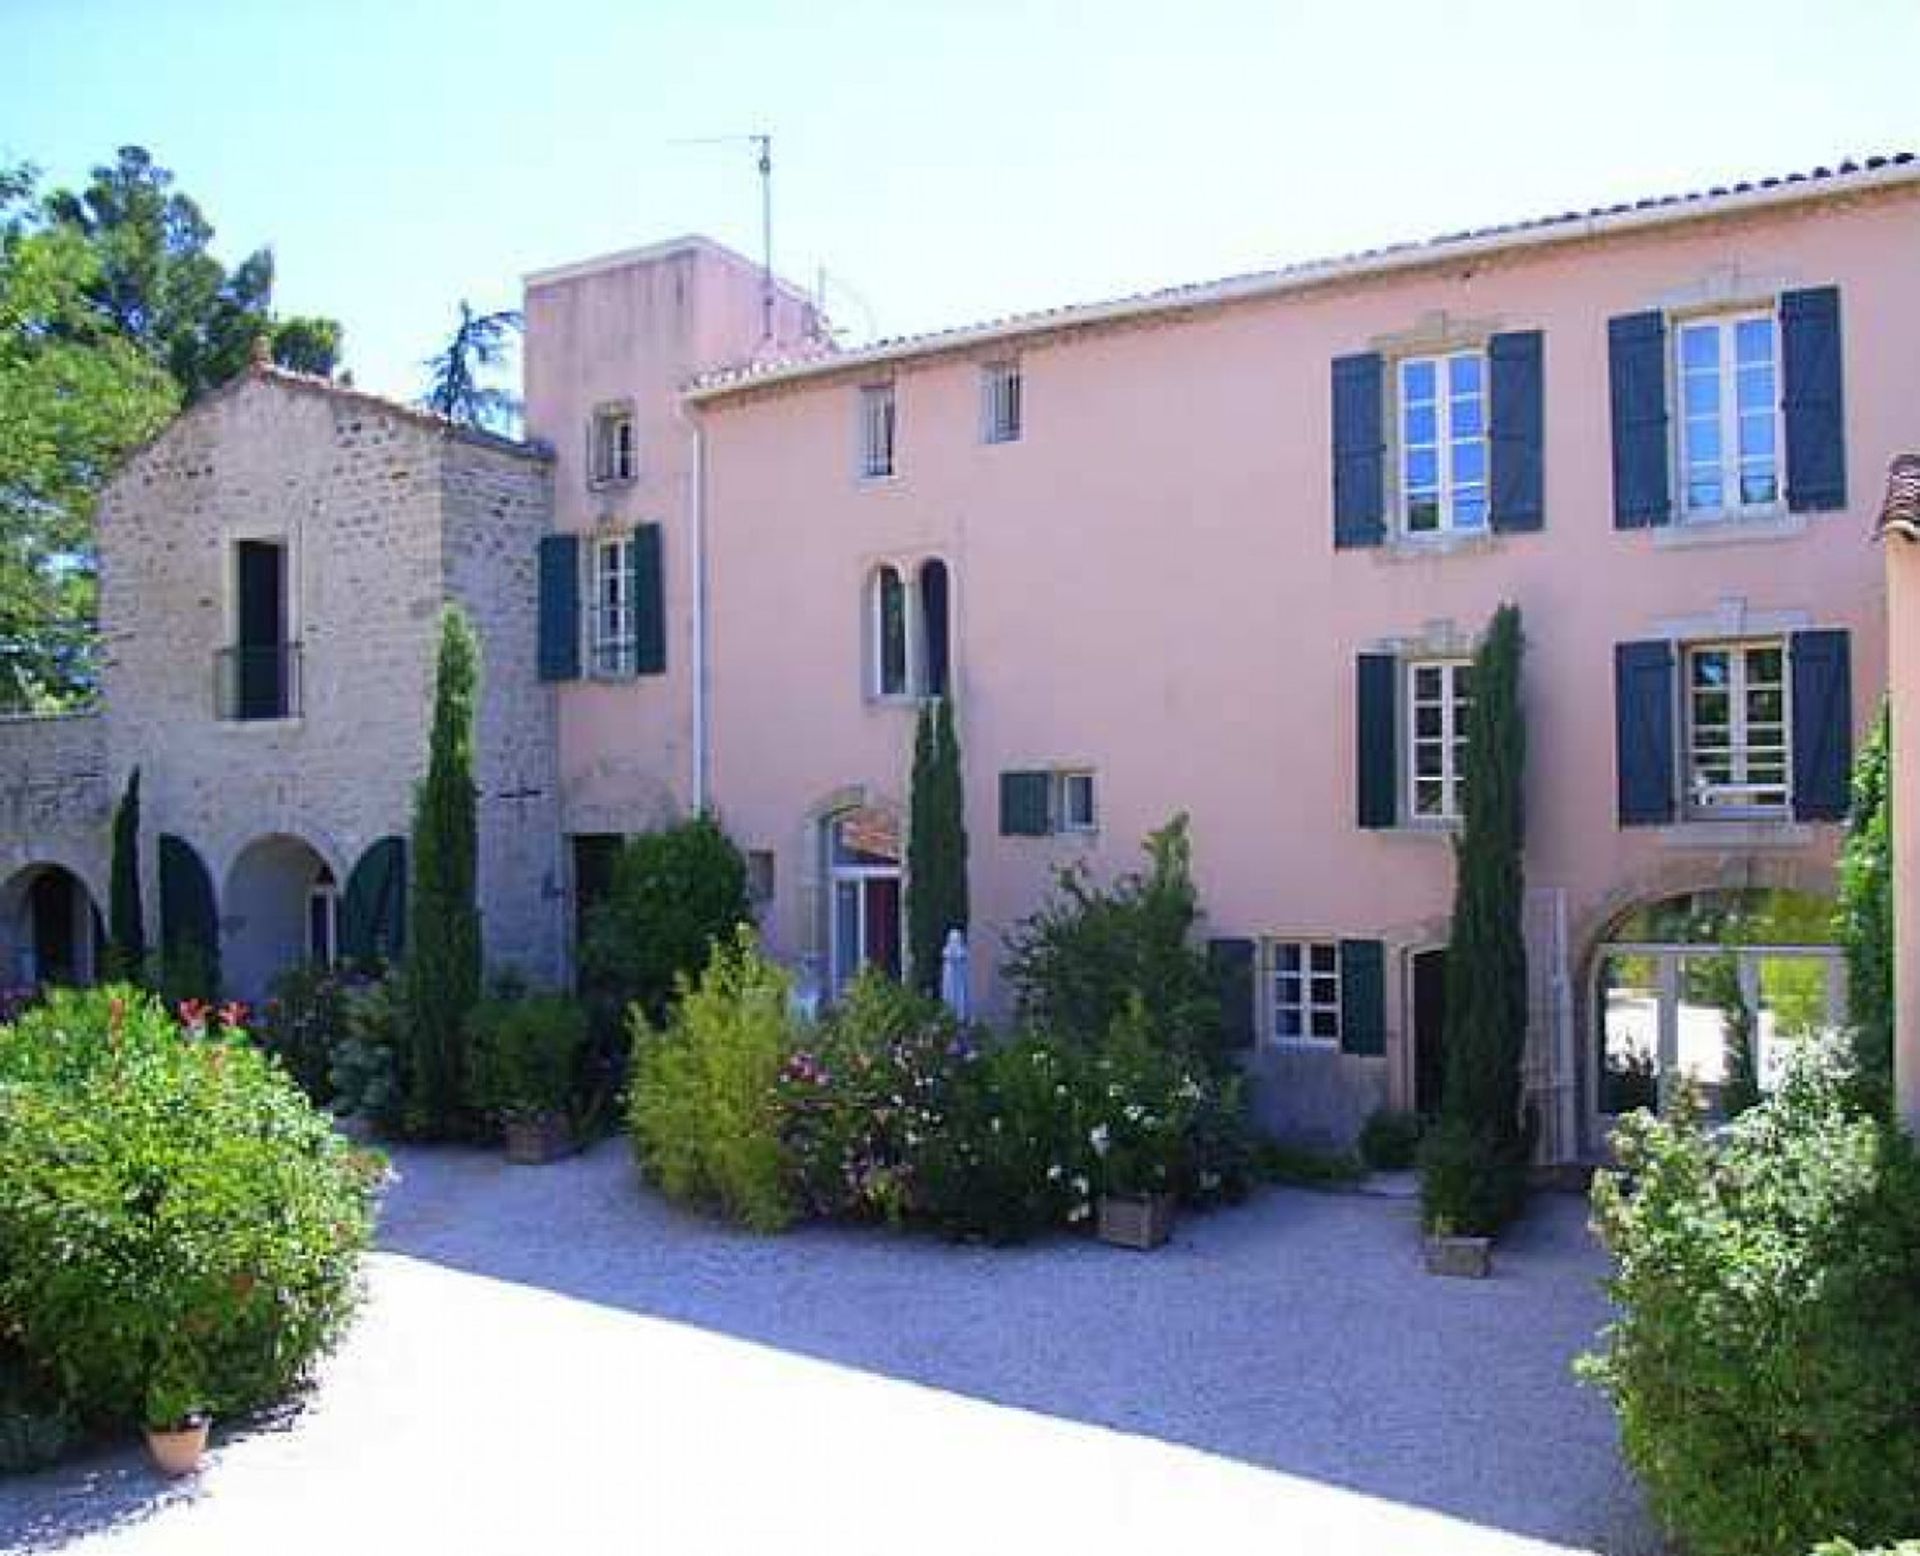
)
(252, 682)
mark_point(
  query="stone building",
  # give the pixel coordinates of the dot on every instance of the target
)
(273, 567)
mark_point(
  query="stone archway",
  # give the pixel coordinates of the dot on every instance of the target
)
(50, 928)
(281, 908)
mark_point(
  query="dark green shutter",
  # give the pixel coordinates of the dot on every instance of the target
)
(1637, 370)
(1359, 451)
(1232, 964)
(649, 602)
(1363, 997)
(1024, 804)
(1822, 725)
(1643, 691)
(1518, 425)
(373, 909)
(1376, 746)
(188, 915)
(1812, 400)
(559, 607)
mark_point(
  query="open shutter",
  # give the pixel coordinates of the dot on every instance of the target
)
(1822, 725)
(373, 909)
(1363, 997)
(1519, 429)
(1376, 764)
(1359, 451)
(189, 919)
(1232, 963)
(1637, 370)
(559, 607)
(1023, 804)
(649, 602)
(1811, 397)
(1643, 690)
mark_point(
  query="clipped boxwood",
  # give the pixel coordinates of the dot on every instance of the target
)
(178, 1225)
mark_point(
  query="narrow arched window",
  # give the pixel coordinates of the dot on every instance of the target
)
(890, 633)
(936, 652)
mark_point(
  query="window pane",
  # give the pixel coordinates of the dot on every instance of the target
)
(1753, 340)
(1423, 514)
(1422, 425)
(1426, 682)
(1758, 486)
(1423, 469)
(1756, 388)
(1326, 1024)
(1701, 395)
(1286, 955)
(1469, 417)
(1463, 373)
(1427, 722)
(1703, 443)
(1286, 1021)
(1470, 463)
(1417, 379)
(1470, 511)
(1326, 958)
(1710, 667)
(1763, 664)
(1756, 436)
(1700, 345)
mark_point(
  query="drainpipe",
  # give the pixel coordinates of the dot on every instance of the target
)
(697, 564)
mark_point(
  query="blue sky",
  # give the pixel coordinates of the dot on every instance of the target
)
(942, 162)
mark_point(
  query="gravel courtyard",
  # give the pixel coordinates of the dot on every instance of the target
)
(553, 1360)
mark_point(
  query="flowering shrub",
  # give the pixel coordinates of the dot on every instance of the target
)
(177, 1223)
(1139, 1103)
(364, 1072)
(301, 1022)
(1768, 1337)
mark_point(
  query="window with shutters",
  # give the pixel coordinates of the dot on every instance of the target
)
(1439, 692)
(1000, 393)
(909, 629)
(1303, 980)
(1443, 443)
(878, 427)
(1727, 414)
(612, 445)
(614, 636)
(1738, 746)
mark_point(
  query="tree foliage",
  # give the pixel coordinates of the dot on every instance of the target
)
(937, 898)
(442, 974)
(1484, 1141)
(457, 377)
(1865, 911)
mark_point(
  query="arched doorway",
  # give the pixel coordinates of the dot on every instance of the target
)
(282, 909)
(864, 899)
(55, 930)
(1715, 986)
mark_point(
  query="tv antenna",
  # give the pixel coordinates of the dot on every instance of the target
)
(762, 143)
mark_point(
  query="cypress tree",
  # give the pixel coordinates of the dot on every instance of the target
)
(937, 897)
(1864, 917)
(126, 921)
(1487, 955)
(442, 976)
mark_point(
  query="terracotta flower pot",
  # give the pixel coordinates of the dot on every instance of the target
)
(536, 1139)
(178, 1450)
(1140, 1221)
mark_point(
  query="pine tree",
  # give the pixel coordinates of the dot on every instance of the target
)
(1486, 954)
(442, 976)
(937, 898)
(1865, 913)
(126, 922)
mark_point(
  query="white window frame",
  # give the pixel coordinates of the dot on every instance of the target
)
(1002, 393)
(879, 432)
(1064, 781)
(1447, 491)
(1738, 797)
(1272, 952)
(1451, 740)
(613, 446)
(613, 631)
(1727, 376)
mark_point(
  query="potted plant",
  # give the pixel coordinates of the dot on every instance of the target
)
(1468, 1189)
(177, 1419)
(1140, 1102)
(526, 1059)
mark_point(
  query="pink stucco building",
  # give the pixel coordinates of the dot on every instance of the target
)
(1223, 550)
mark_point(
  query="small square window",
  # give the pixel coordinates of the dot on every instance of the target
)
(1304, 991)
(1073, 802)
(760, 880)
(1000, 395)
(613, 452)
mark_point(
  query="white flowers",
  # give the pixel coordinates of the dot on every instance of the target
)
(1055, 1173)
(1098, 1138)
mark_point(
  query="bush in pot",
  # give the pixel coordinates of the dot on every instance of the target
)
(161, 1187)
(525, 1069)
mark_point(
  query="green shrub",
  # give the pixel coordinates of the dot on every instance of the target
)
(1220, 1162)
(1390, 1140)
(301, 1022)
(526, 1055)
(1076, 963)
(1864, 914)
(1138, 1102)
(35, 1428)
(176, 1221)
(675, 894)
(1767, 1284)
(1469, 1186)
(1848, 1548)
(365, 1071)
(862, 1096)
(1276, 1161)
(705, 1107)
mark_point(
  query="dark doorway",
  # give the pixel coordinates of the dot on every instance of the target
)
(594, 856)
(261, 619)
(883, 924)
(62, 926)
(1429, 1030)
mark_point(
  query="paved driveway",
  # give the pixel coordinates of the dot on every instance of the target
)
(555, 1361)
